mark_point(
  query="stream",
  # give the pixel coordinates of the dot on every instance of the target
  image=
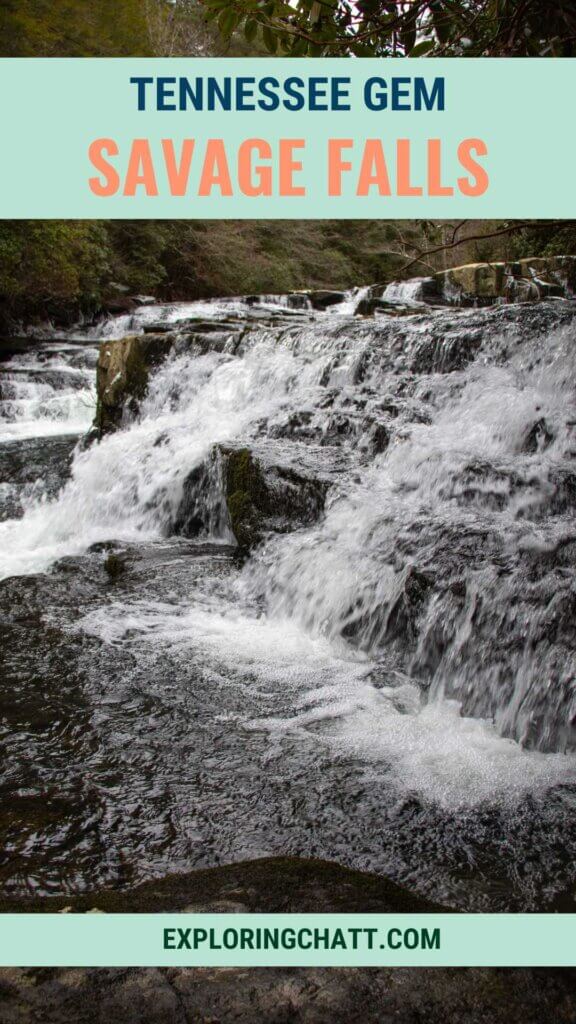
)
(387, 681)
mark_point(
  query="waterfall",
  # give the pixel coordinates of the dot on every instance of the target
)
(381, 673)
(46, 392)
(446, 543)
(407, 293)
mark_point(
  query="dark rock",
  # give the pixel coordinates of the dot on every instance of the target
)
(262, 497)
(445, 353)
(270, 885)
(279, 995)
(378, 439)
(538, 437)
(249, 493)
(119, 304)
(114, 566)
(322, 299)
(369, 306)
(283, 995)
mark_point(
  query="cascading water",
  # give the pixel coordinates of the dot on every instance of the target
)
(47, 392)
(409, 293)
(391, 685)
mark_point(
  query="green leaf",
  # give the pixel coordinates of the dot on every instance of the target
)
(361, 50)
(270, 40)
(299, 48)
(227, 22)
(251, 29)
(422, 48)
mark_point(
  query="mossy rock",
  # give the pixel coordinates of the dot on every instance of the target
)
(263, 497)
(559, 271)
(246, 497)
(474, 280)
(122, 376)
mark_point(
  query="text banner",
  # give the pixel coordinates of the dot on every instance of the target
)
(129, 940)
(235, 138)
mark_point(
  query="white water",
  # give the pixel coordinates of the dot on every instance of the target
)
(405, 293)
(129, 486)
(428, 750)
(236, 306)
(311, 612)
(46, 395)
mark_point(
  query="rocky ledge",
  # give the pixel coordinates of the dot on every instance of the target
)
(282, 995)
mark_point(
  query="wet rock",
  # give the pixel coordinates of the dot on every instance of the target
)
(122, 376)
(119, 304)
(369, 306)
(555, 270)
(262, 497)
(393, 621)
(248, 493)
(323, 298)
(114, 566)
(446, 352)
(521, 289)
(526, 280)
(269, 885)
(538, 438)
(473, 283)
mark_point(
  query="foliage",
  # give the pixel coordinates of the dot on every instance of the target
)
(73, 28)
(413, 28)
(52, 265)
(64, 268)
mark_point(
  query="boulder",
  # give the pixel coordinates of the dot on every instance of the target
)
(122, 376)
(553, 270)
(473, 283)
(119, 304)
(526, 280)
(248, 493)
(370, 306)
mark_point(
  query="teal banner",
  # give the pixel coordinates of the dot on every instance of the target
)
(278, 138)
(164, 940)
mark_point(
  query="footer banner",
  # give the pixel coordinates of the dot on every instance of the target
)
(354, 940)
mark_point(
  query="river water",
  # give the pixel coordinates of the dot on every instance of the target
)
(391, 685)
